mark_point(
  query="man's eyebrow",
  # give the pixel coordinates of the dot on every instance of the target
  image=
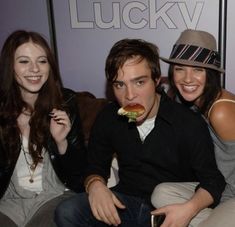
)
(139, 77)
(117, 82)
(134, 79)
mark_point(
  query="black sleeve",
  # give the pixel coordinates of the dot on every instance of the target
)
(204, 164)
(71, 166)
(100, 149)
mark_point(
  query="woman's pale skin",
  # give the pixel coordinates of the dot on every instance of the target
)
(190, 82)
(31, 72)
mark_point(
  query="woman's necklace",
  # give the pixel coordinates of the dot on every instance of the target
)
(31, 166)
(23, 122)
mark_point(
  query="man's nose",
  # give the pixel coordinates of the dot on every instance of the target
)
(130, 93)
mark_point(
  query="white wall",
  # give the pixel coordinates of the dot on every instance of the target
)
(86, 30)
(82, 56)
(230, 56)
(23, 14)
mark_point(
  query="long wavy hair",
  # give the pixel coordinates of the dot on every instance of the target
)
(211, 92)
(12, 103)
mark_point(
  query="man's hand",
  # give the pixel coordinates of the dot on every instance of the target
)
(103, 203)
(177, 215)
(180, 214)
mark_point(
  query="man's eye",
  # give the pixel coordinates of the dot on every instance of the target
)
(118, 85)
(139, 82)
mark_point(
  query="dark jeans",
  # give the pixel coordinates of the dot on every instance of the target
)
(76, 212)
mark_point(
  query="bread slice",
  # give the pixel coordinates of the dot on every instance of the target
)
(132, 111)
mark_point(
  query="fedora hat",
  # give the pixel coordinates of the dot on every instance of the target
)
(195, 48)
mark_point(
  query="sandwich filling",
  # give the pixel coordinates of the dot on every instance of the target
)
(132, 112)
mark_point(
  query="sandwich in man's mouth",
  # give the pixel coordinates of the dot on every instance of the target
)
(132, 111)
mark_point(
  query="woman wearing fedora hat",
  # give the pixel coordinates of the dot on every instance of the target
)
(195, 80)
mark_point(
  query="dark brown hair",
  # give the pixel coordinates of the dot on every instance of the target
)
(128, 48)
(12, 104)
(211, 91)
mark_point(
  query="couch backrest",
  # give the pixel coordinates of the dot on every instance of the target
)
(89, 107)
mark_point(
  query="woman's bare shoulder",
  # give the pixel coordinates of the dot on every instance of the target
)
(222, 116)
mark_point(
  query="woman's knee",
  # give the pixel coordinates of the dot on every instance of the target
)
(222, 215)
(170, 193)
(160, 195)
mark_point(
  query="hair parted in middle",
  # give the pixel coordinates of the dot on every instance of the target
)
(12, 103)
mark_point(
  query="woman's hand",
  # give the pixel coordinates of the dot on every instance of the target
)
(60, 126)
